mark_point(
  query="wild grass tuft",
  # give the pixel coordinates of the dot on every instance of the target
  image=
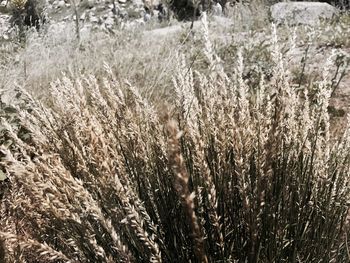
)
(227, 170)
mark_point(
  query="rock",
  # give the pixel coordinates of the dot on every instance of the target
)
(304, 13)
(61, 4)
(94, 19)
(146, 17)
(109, 22)
(99, 8)
(83, 16)
(133, 13)
(151, 3)
(90, 3)
(138, 3)
(123, 14)
(122, 1)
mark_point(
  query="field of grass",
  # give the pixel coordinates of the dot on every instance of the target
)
(212, 145)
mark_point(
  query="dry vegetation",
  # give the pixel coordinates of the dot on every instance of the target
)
(233, 162)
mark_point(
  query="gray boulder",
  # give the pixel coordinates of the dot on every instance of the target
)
(304, 13)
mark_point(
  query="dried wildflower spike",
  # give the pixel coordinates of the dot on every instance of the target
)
(208, 50)
(43, 249)
(181, 186)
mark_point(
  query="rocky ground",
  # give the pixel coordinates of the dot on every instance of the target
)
(95, 14)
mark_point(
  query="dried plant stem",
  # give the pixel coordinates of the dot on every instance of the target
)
(181, 186)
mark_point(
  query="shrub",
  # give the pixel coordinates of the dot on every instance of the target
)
(189, 9)
(223, 173)
(26, 13)
(183, 9)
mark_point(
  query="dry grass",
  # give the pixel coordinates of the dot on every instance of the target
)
(223, 170)
(46, 57)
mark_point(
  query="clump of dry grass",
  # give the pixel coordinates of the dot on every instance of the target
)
(220, 172)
